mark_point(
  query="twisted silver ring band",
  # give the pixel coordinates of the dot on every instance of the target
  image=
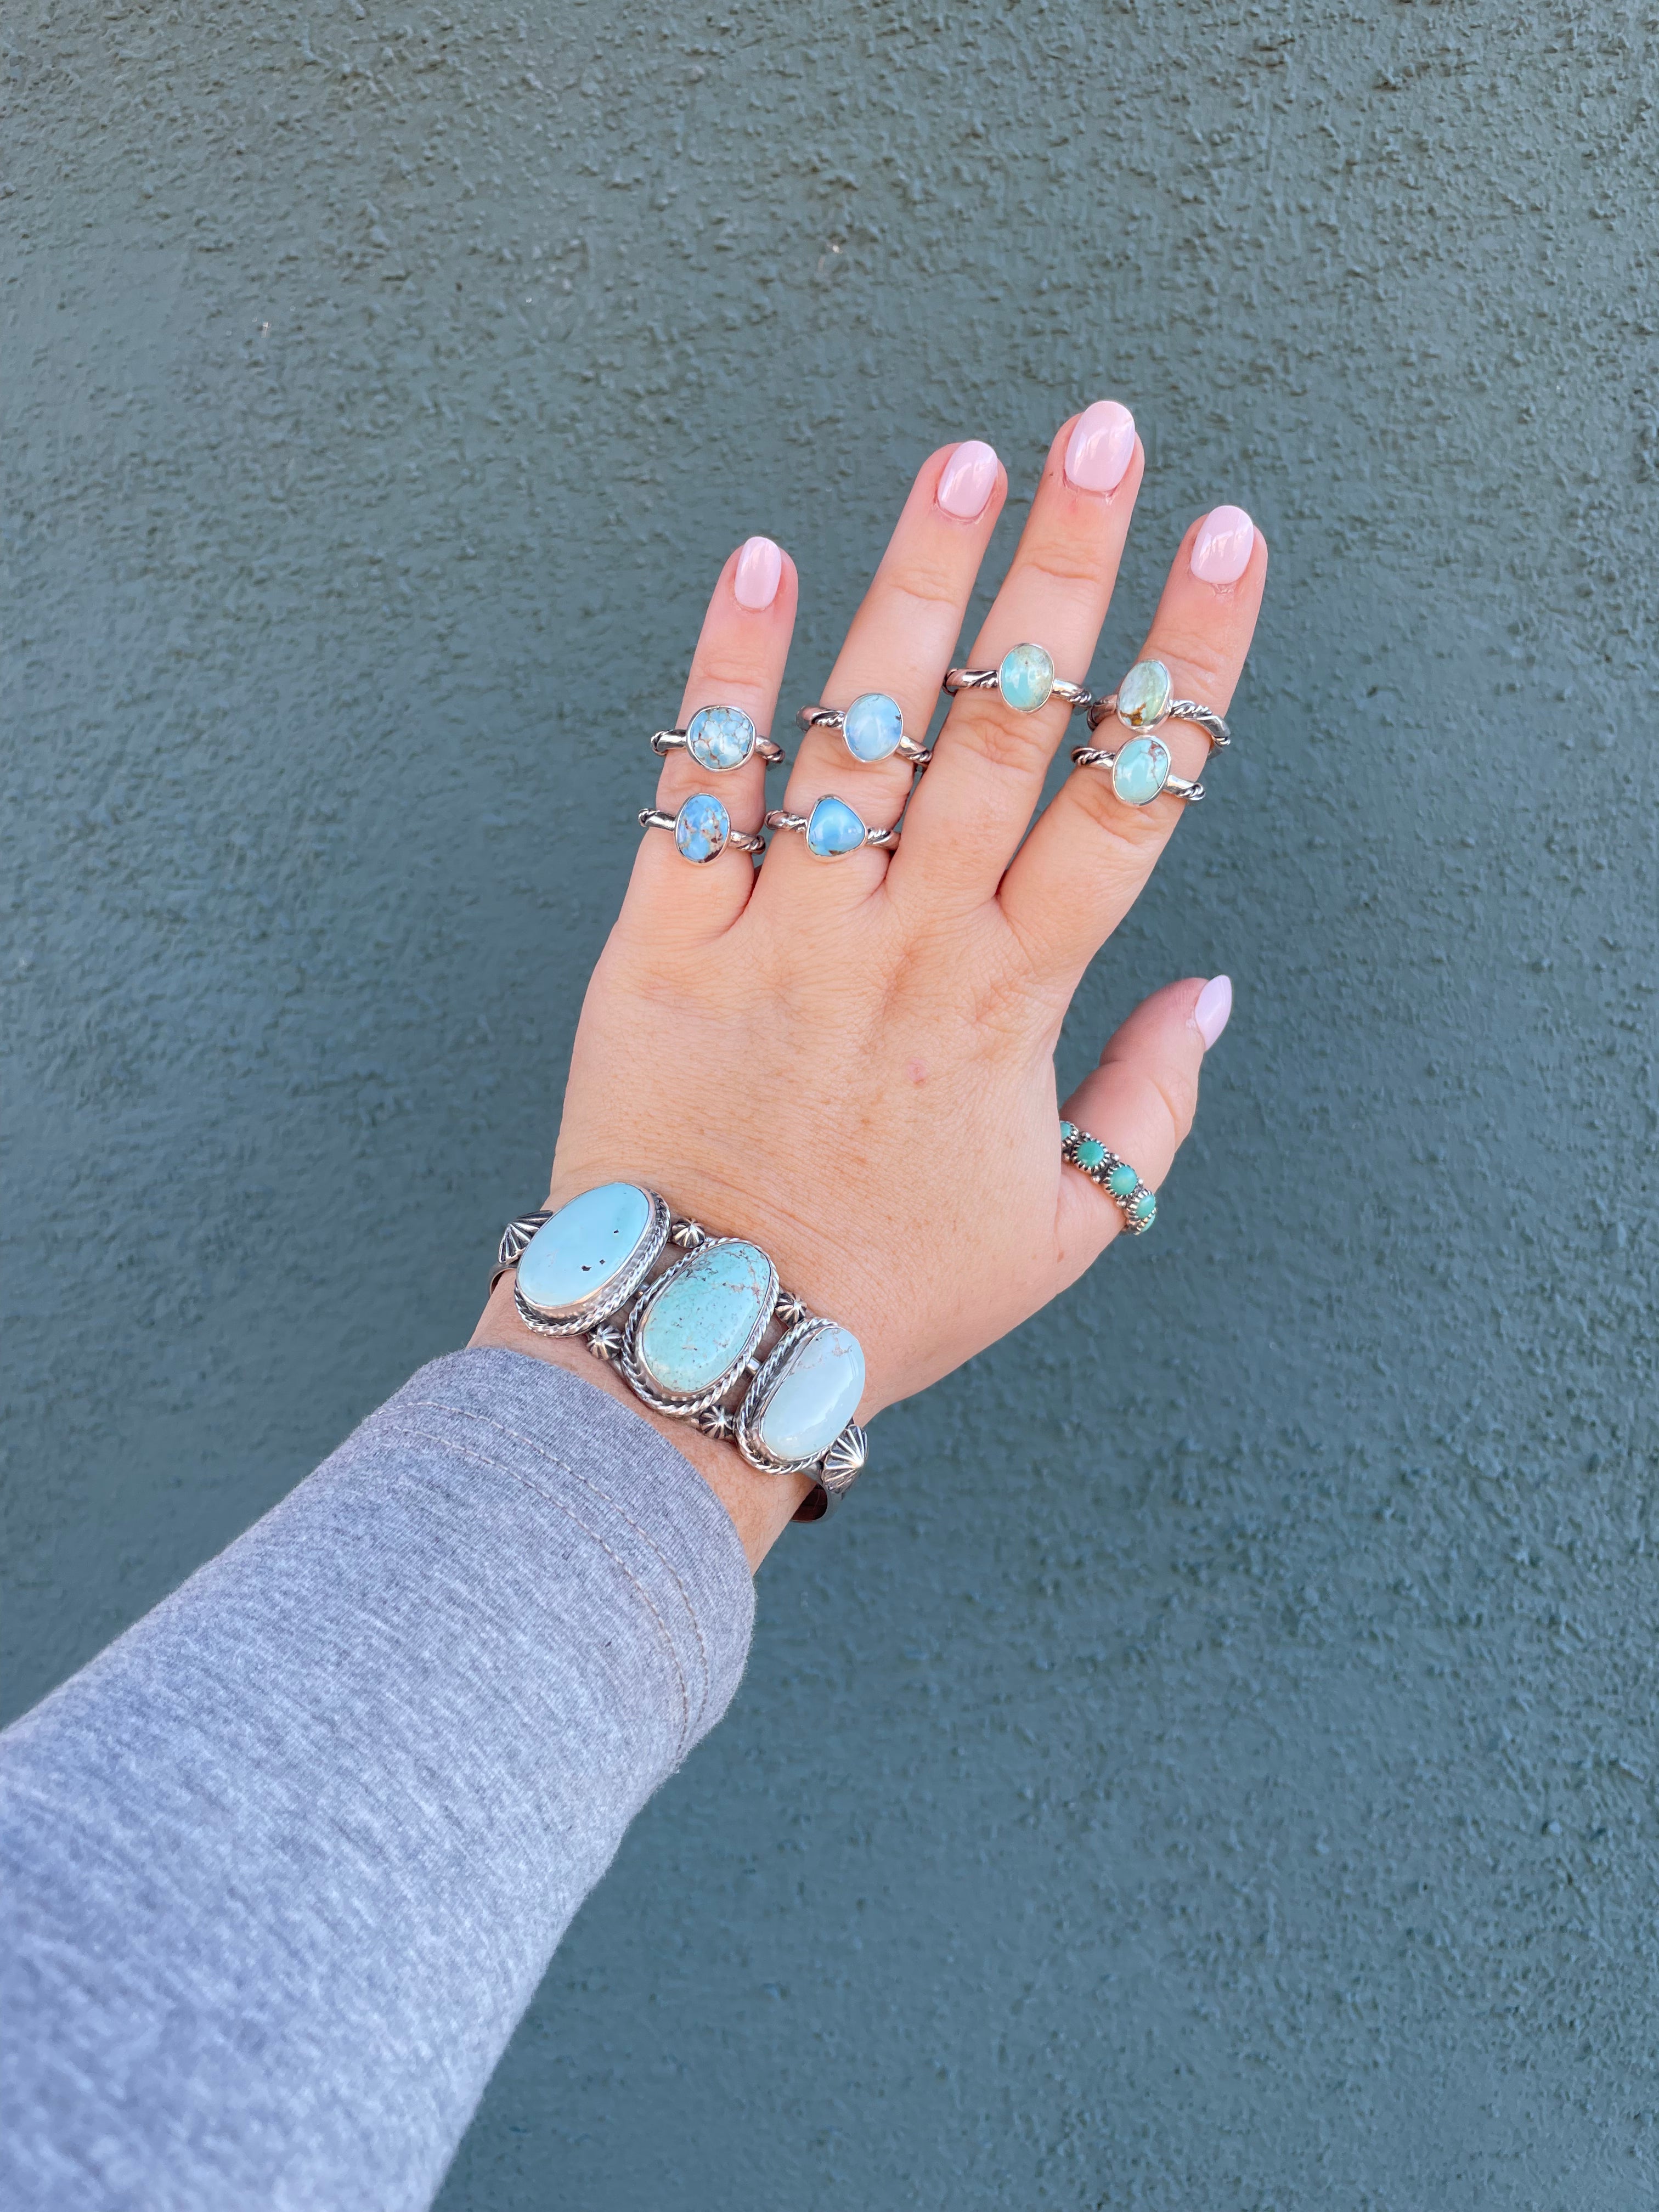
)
(1146, 697)
(703, 828)
(719, 739)
(832, 828)
(1138, 1205)
(1140, 770)
(1025, 677)
(871, 729)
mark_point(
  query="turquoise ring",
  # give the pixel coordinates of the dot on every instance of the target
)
(871, 729)
(1114, 1176)
(703, 828)
(832, 828)
(719, 739)
(1026, 679)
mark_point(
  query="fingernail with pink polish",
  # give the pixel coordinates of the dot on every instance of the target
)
(1221, 550)
(759, 573)
(969, 480)
(1215, 1003)
(1100, 446)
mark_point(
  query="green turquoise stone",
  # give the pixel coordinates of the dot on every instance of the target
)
(1026, 679)
(581, 1251)
(1121, 1181)
(719, 737)
(872, 727)
(1141, 771)
(1145, 1208)
(701, 828)
(815, 1397)
(706, 1317)
(1068, 1131)
(832, 829)
(1091, 1153)
(1144, 695)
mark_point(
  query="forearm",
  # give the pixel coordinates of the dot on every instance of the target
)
(286, 1862)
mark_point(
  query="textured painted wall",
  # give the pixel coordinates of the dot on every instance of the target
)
(1212, 1763)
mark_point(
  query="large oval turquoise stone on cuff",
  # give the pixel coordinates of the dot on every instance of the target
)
(584, 1248)
(706, 1317)
(701, 828)
(832, 829)
(872, 727)
(816, 1398)
(1144, 695)
(1141, 771)
(1025, 678)
(719, 737)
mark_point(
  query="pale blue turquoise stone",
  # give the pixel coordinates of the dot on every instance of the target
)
(1025, 678)
(1144, 695)
(1141, 771)
(874, 726)
(701, 828)
(832, 828)
(706, 1317)
(719, 737)
(584, 1247)
(817, 1397)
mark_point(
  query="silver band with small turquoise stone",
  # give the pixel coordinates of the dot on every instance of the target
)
(871, 729)
(703, 828)
(1026, 679)
(832, 828)
(690, 1337)
(719, 739)
(1114, 1176)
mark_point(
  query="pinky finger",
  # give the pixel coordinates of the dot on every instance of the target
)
(1140, 1104)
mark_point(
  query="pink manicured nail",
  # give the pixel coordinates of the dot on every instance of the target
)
(1221, 550)
(1100, 446)
(970, 479)
(1215, 1003)
(759, 573)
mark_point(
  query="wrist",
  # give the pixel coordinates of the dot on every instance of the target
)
(760, 1506)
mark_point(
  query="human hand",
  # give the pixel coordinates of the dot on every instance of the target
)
(852, 1061)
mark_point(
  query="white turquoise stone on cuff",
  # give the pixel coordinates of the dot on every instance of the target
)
(1141, 771)
(719, 737)
(706, 1317)
(701, 828)
(1025, 678)
(816, 1398)
(1144, 695)
(584, 1247)
(832, 829)
(872, 727)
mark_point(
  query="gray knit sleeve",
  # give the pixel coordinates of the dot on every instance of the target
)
(283, 1865)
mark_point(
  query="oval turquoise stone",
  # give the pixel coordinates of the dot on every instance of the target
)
(1141, 771)
(1145, 1208)
(1090, 1153)
(816, 1397)
(1144, 695)
(1121, 1180)
(832, 829)
(706, 1317)
(701, 828)
(1025, 678)
(584, 1247)
(719, 737)
(873, 727)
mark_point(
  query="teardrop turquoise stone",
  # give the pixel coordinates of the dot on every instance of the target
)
(832, 829)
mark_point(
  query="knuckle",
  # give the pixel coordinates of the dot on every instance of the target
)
(1010, 742)
(1198, 662)
(1130, 833)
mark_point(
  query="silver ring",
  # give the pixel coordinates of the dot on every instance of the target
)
(719, 739)
(832, 828)
(1138, 1205)
(703, 828)
(1140, 770)
(1025, 678)
(1145, 698)
(871, 729)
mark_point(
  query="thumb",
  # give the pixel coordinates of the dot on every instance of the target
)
(1139, 1104)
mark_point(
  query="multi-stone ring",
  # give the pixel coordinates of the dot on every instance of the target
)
(831, 828)
(719, 739)
(1025, 678)
(703, 828)
(871, 728)
(1114, 1176)
(1141, 768)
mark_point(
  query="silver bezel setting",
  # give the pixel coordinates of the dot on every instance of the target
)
(599, 1304)
(687, 1408)
(759, 1397)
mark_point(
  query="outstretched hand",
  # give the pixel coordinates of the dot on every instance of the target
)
(851, 1062)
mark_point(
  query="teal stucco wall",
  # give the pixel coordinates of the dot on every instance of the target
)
(1212, 1763)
